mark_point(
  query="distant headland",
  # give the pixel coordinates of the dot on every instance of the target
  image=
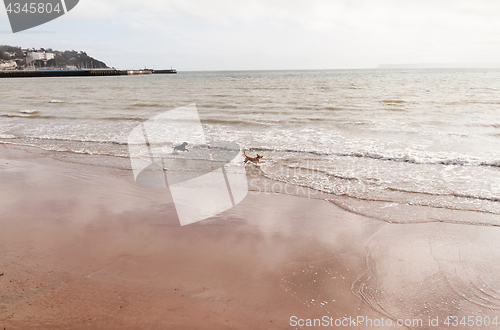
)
(440, 66)
(18, 58)
(16, 62)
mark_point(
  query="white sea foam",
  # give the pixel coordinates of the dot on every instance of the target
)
(31, 112)
(382, 138)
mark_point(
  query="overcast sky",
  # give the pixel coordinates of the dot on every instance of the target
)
(271, 34)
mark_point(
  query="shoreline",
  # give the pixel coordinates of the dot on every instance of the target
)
(83, 246)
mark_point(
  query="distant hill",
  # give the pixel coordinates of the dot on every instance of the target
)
(62, 59)
(439, 66)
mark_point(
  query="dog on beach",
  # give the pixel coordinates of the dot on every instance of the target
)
(252, 159)
(181, 147)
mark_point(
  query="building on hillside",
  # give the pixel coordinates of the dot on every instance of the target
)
(38, 56)
(8, 65)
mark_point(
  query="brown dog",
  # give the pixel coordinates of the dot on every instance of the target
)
(252, 159)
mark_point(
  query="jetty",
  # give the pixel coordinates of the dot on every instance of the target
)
(78, 73)
(168, 71)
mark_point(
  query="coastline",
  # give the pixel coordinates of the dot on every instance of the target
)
(84, 247)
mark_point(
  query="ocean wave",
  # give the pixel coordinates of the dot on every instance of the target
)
(385, 157)
(492, 164)
(357, 187)
(483, 102)
(410, 159)
(125, 118)
(8, 136)
(305, 120)
(37, 115)
(30, 112)
(232, 121)
(397, 101)
(71, 140)
(140, 105)
(18, 115)
(263, 88)
(436, 201)
(468, 196)
(64, 149)
(319, 170)
(485, 125)
(24, 113)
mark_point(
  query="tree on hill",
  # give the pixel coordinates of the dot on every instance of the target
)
(73, 58)
(9, 49)
(63, 59)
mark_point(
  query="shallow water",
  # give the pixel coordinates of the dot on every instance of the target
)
(427, 138)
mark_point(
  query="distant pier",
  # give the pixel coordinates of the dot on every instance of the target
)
(164, 71)
(78, 73)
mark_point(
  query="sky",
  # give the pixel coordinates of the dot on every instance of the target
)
(201, 35)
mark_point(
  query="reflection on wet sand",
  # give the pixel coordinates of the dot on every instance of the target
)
(84, 247)
(432, 270)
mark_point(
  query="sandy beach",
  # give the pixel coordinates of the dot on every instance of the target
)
(83, 247)
(225, 165)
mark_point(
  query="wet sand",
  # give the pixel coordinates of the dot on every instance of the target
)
(84, 247)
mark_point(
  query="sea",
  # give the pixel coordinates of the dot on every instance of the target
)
(399, 145)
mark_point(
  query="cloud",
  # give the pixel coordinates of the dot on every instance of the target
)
(423, 29)
(314, 14)
(279, 34)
